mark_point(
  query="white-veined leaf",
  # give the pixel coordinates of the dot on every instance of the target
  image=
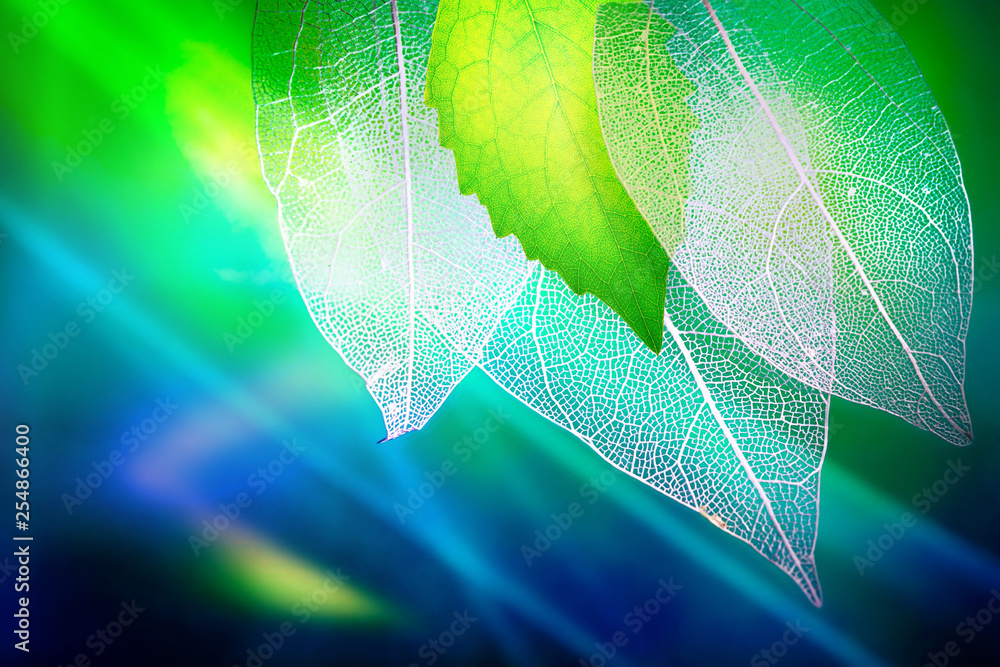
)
(827, 224)
(707, 422)
(401, 273)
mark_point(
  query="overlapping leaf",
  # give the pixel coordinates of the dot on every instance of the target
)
(707, 422)
(512, 82)
(827, 225)
(400, 272)
(405, 278)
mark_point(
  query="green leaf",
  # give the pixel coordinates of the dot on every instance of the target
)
(513, 84)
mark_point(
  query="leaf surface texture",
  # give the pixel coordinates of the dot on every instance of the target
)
(827, 224)
(512, 80)
(707, 422)
(399, 270)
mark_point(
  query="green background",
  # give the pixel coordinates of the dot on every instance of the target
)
(203, 254)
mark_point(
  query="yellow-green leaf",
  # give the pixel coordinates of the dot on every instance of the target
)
(512, 81)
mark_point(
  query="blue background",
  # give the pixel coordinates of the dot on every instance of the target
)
(145, 201)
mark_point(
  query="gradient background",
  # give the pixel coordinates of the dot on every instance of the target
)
(198, 270)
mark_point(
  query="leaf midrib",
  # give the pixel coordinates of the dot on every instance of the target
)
(706, 393)
(586, 161)
(404, 113)
(799, 170)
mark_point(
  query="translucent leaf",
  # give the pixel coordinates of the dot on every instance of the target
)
(707, 422)
(828, 224)
(512, 82)
(400, 272)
